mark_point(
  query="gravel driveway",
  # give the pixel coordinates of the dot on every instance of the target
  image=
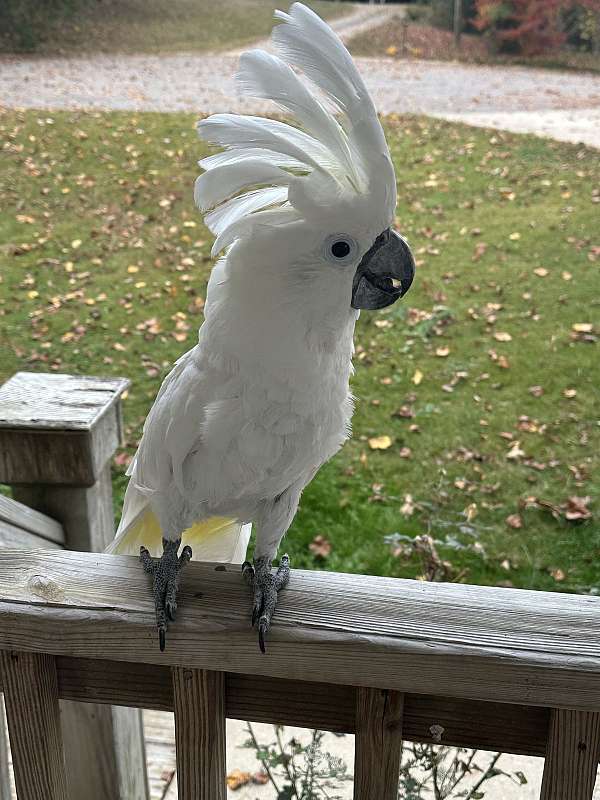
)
(564, 105)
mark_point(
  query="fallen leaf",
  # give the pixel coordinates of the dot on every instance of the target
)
(515, 452)
(405, 452)
(404, 412)
(570, 393)
(502, 336)
(582, 327)
(557, 574)
(408, 507)
(536, 391)
(122, 459)
(514, 521)
(442, 352)
(577, 508)
(541, 272)
(391, 50)
(380, 442)
(236, 779)
(320, 547)
(417, 377)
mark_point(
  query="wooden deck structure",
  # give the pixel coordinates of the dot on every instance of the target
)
(385, 659)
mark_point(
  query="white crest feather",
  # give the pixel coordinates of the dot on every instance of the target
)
(338, 147)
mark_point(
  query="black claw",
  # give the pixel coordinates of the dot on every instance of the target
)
(185, 556)
(263, 627)
(162, 635)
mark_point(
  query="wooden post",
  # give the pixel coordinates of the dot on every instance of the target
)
(31, 697)
(572, 755)
(57, 436)
(378, 744)
(457, 22)
(199, 703)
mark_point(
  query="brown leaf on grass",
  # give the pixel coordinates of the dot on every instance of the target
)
(536, 391)
(541, 272)
(515, 452)
(122, 459)
(408, 507)
(380, 442)
(573, 509)
(404, 412)
(514, 521)
(479, 251)
(557, 574)
(320, 547)
(502, 336)
(576, 508)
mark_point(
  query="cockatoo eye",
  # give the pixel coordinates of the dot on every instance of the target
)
(340, 249)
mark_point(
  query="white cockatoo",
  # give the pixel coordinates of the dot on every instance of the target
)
(303, 215)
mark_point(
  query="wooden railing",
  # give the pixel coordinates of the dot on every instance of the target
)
(385, 659)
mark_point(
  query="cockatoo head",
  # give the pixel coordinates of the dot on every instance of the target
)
(320, 194)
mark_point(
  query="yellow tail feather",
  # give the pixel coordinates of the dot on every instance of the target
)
(214, 539)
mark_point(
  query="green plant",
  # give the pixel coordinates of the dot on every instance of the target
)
(299, 770)
(304, 770)
(23, 23)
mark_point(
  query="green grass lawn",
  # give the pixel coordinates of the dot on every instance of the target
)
(104, 262)
(153, 26)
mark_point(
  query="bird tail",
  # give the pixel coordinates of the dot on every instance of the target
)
(216, 539)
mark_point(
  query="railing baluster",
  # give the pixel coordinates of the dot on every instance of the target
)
(572, 755)
(31, 698)
(199, 704)
(378, 744)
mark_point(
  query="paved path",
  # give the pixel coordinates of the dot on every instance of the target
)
(564, 105)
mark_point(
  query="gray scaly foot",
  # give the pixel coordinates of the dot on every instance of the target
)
(165, 571)
(266, 586)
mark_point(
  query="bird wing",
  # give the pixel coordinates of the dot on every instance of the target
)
(171, 432)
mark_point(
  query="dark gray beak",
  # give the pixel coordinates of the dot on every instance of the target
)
(385, 273)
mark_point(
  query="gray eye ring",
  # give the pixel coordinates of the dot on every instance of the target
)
(340, 249)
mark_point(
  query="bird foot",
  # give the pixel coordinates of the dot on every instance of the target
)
(266, 586)
(165, 572)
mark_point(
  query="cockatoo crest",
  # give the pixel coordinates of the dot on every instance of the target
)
(272, 173)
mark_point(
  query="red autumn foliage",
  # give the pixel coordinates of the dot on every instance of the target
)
(527, 26)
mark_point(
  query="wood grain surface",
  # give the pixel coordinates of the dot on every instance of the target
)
(477, 642)
(572, 756)
(199, 704)
(33, 716)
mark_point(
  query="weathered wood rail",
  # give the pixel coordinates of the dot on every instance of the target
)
(386, 659)
(58, 434)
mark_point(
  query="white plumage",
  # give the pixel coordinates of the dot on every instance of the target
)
(246, 417)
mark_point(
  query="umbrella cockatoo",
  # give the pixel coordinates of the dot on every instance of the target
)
(303, 215)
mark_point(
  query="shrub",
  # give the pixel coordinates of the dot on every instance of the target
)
(23, 23)
(442, 14)
(532, 27)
